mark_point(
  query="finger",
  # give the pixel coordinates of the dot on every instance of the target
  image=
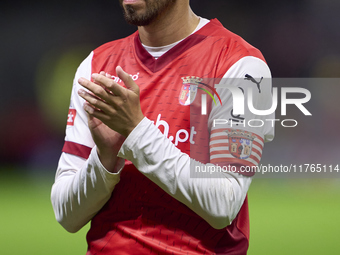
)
(101, 73)
(109, 84)
(105, 74)
(93, 112)
(108, 76)
(127, 79)
(97, 103)
(89, 109)
(96, 89)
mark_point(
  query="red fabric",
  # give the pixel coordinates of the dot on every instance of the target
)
(77, 149)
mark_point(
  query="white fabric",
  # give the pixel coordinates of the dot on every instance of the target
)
(79, 192)
(157, 52)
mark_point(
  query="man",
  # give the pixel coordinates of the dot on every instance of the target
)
(134, 148)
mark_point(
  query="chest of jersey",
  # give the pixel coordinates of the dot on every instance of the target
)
(174, 96)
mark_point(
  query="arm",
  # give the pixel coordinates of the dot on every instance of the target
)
(216, 199)
(82, 184)
(81, 189)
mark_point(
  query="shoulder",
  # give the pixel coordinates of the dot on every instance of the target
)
(230, 44)
(109, 54)
(114, 46)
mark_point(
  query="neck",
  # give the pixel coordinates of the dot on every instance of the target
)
(174, 25)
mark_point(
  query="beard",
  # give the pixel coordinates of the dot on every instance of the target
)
(137, 16)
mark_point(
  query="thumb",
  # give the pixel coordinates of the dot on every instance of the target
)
(127, 79)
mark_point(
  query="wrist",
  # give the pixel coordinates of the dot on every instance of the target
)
(108, 160)
(128, 130)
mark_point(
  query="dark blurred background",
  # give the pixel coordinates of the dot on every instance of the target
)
(43, 42)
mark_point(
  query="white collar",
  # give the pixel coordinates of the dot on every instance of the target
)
(157, 52)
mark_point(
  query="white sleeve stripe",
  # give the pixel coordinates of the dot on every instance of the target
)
(219, 148)
(226, 141)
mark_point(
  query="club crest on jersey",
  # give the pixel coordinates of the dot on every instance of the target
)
(189, 88)
(240, 143)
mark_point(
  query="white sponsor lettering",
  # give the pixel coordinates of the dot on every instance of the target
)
(181, 135)
(134, 77)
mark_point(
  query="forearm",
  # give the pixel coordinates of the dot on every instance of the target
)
(77, 195)
(217, 200)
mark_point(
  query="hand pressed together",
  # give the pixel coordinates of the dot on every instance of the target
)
(116, 106)
(113, 112)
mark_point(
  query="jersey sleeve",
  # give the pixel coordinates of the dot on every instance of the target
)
(78, 140)
(239, 138)
(162, 162)
(82, 185)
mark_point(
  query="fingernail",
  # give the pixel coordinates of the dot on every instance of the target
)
(94, 75)
(81, 92)
(88, 109)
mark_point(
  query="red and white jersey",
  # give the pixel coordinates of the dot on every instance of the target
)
(160, 204)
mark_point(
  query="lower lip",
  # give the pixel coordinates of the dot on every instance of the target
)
(131, 1)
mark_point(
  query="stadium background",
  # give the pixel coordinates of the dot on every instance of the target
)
(43, 42)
